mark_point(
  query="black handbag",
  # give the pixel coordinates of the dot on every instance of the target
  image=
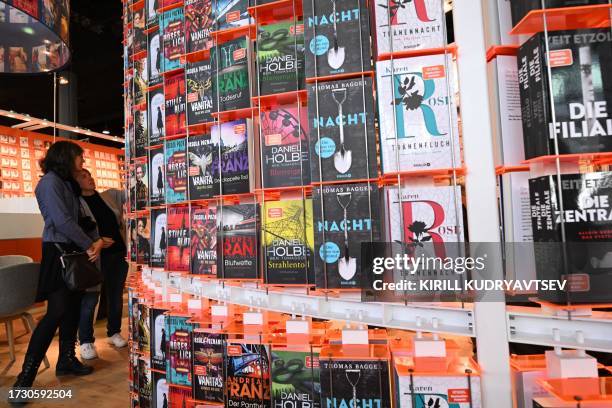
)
(77, 271)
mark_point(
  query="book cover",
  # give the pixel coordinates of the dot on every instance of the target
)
(295, 379)
(201, 90)
(175, 105)
(284, 145)
(160, 390)
(208, 366)
(133, 240)
(176, 171)
(584, 211)
(144, 382)
(159, 243)
(237, 233)
(203, 240)
(156, 176)
(151, 7)
(143, 232)
(248, 376)
(232, 74)
(141, 189)
(231, 14)
(345, 215)
(141, 133)
(403, 26)
(417, 114)
(280, 57)
(235, 140)
(154, 57)
(350, 383)
(288, 242)
(157, 124)
(336, 45)
(199, 22)
(177, 257)
(144, 330)
(140, 37)
(178, 360)
(204, 176)
(342, 135)
(159, 338)
(172, 27)
(141, 81)
(180, 397)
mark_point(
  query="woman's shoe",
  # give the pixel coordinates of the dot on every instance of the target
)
(67, 363)
(26, 377)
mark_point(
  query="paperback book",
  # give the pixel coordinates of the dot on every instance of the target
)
(141, 81)
(161, 391)
(232, 69)
(231, 14)
(174, 92)
(142, 186)
(159, 244)
(151, 7)
(204, 176)
(288, 242)
(154, 57)
(417, 114)
(295, 379)
(208, 366)
(408, 25)
(140, 38)
(178, 361)
(203, 240)
(176, 171)
(199, 22)
(355, 383)
(584, 212)
(144, 382)
(156, 176)
(236, 156)
(280, 57)
(284, 145)
(144, 331)
(177, 258)
(201, 90)
(345, 215)
(133, 240)
(342, 134)
(159, 338)
(180, 397)
(336, 45)
(580, 120)
(237, 233)
(157, 124)
(172, 27)
(141, 133)
(248, 376)
(143, 232)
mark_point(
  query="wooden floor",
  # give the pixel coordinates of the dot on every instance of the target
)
(107, 387)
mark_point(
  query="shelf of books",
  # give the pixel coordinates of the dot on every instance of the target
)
(270, 142)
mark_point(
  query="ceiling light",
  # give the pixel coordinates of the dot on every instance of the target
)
(28, 30)
(64, 81)
(106, 132)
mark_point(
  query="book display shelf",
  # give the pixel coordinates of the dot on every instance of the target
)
(268, 141)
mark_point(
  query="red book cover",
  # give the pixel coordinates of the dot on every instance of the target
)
(167, 3)
(177, 258)
(175, 104)
(28, 6)
(180, 397)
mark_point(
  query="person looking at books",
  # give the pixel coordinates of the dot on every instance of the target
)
(106, 210)
(57, 194)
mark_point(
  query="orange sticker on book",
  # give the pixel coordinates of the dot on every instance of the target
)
(234, 350)
(199, 370)
(296, 29)
(433, 72)
(239, 129)
(239, 54)
(560, 58)
(232, 16)
(273, 139)
(459, 395)
(275, 212)
(578, 282)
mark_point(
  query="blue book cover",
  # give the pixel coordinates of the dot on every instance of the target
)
(171, 25)
(178, 361)
(176, 171)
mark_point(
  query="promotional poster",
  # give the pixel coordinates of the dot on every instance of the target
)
(280, 57)
(199, 22)
(177, 258)
(159, 238)
(342, 137)
(176, 171)
(288, 242)
(156, 176)
(172, 27)
(231, 13)
(159, 338)
(248, 376)
(178, 361)
(201, 90)
(174, 92)
(157, 124)
(419, 129)
(204, 176)
(154, 57)
(295, 379)
(203, 240)
(208, 366)
(344, 216)
(360, 383)
(284, 145)
(161, 391)
(237, 233)
(141, 133)
(236, 151)
(232, 74)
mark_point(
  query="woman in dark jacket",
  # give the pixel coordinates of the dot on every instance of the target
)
(58, 199)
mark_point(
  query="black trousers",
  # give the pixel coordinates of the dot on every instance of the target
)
(63, 310)
(115, 270)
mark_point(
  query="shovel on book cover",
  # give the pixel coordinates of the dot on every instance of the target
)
(336, 54)
(347, 266)
(343, 158)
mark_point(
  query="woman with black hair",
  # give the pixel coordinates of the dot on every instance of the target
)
(57, 194)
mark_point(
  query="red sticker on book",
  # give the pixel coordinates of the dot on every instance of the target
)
(199, 370)
(312, 362)
(232, 16)
(298, 28)
(234, 350)
(239, 129)
(273, 139)
(275, 212)
(433, 72)
(459, 395)
(560, 58)
(239, 54)
(192, 97)
(577, 282)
